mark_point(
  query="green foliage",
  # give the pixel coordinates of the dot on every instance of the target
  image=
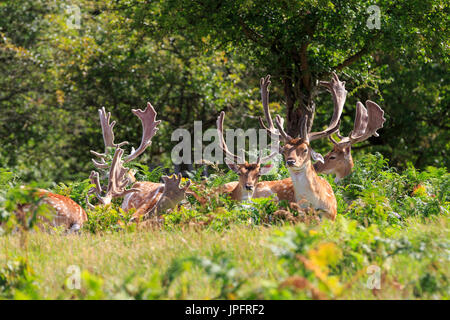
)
(18, 281)
(327, 261)
(219, 268)
(108, 219)
(75, 190)
(22, 208)
(144, 174)
(54, 78)
(192, 60)
(375, 193)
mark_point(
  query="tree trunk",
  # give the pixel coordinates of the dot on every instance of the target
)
(299, 102)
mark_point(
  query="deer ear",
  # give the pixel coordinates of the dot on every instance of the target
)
(316, 156)
(233, 166)
(265, 169)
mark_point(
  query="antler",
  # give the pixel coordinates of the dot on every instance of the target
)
(108, 138)
(367, 122)
(339, 94)
(337, 89)
(224, 147)
(266, 158)
(222, 143)
(107, 129)
(117, 181)
(149, 125)
(118, 178)
(280, 133)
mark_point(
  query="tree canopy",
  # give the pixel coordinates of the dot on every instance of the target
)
(192, 59)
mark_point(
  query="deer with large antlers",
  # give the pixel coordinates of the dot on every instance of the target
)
(339, 161)
(248, 173)
(304, 183)
(146, 197)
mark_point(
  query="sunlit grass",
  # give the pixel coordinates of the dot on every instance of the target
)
(114, 256)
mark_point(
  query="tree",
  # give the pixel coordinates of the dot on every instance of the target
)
(301, 42)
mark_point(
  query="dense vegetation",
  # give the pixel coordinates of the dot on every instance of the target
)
(192, 60)
(397, 222)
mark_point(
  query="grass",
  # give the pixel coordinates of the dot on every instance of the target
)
(114, 256)
(413, 262)
(392, 229)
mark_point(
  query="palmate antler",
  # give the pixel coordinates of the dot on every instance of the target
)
(367, 122)
(335, 87)
(118, 177)
(118, 180)
(339, 95)
(149, 125)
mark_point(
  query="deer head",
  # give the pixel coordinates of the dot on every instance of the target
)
(248, 173)
(297, 151)
(119, 177)
(339, 160)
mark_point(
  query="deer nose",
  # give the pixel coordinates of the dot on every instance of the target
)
(290, 162)
(249, 187)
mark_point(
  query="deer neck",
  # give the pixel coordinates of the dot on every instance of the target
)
(305, 183)
(345, 170)
(240, 194)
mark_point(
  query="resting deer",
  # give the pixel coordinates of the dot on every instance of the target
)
(249, 173)
(339, 160)
(147, 197)
(304, 183)
(64, 211)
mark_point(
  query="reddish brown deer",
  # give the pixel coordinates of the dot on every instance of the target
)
(304, 183)
(63, 211)
(339, 161)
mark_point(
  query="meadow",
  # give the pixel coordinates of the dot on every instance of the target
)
(390, 240)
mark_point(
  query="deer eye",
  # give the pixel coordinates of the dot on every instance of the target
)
(305, 151)
(332, 157)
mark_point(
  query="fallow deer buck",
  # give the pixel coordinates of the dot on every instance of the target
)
(248, 173)
(304, 183)
(339, 160)
(147, 197)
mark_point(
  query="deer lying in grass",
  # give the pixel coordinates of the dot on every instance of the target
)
(304, 183)
(64, 212)
(339, 160)
(248, 173)
(147, 197)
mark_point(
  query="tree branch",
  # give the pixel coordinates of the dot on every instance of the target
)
(252, 34)
(351, 59)
(357, 55)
